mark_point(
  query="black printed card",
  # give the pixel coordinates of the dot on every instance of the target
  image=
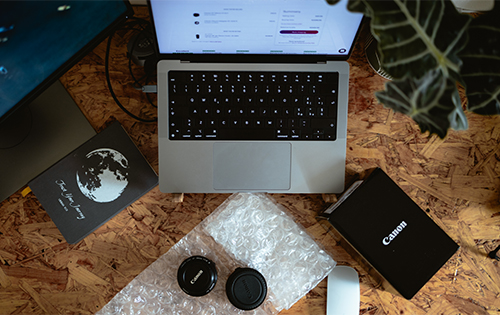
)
(93, 183)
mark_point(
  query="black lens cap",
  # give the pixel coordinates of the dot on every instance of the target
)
(197, 275)
(246, 288)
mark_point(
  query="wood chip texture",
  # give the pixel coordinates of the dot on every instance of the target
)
(455, 180)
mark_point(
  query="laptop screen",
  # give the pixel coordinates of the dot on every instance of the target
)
(254, 27)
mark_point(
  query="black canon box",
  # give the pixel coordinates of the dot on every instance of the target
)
(388, 234)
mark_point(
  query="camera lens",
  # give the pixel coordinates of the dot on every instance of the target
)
(246, 288)
(197, 275)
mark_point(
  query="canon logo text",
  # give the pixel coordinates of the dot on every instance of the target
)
(388, 239)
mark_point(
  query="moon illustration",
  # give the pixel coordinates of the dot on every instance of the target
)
(104, 175)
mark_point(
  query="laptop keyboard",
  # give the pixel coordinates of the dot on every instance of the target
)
(227, 105)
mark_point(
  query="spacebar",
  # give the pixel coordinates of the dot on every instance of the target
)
(246, 134)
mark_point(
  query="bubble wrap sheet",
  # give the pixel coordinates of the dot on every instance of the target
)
(247, 230)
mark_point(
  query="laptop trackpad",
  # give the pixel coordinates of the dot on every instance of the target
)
(252, 165)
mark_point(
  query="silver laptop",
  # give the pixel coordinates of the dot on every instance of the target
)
(252, 94)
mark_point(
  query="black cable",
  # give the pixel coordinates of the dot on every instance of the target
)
(106, 69)
(137, 83)
(146, 33)
(143, 30)
(494, 253)
(140, 20)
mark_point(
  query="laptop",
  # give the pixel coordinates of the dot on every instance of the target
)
(217, 133)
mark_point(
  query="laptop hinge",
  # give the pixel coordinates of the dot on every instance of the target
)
(185, 61)
(322, 62)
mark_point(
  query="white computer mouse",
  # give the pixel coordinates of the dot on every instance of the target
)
(343, 294)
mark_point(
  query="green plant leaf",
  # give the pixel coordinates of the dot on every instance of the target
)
(432, 101)
(481, 63)
(358, 6)
(416, 36)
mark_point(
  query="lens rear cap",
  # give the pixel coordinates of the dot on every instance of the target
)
(246, 288)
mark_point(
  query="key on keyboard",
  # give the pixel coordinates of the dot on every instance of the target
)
(252, 105)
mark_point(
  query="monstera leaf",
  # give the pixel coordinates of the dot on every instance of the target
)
(419, 42)
(427, 100)
(481, 68)
(417, 36)
(428, 47)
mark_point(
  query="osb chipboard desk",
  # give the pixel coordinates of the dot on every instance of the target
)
(456, 179)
